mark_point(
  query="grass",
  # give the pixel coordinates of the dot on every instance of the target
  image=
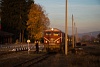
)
(90, 57)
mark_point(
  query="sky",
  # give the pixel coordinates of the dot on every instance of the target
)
(86, 14)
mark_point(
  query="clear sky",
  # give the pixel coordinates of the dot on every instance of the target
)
(86, 14)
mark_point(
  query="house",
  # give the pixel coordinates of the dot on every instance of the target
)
(5, 37)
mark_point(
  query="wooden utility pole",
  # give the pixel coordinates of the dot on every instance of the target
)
(66, 29)
(72, 31)
(75, 34)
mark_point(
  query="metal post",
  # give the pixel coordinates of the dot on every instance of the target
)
(28, 47)
(66, 29)
(28, 41)
(77, 39)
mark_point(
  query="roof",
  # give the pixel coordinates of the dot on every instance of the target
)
(52, 29)
(2, 33)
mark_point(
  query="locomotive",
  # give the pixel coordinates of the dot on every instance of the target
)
(53, 40)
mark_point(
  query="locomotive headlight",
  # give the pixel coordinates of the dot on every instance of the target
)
(46, 42)
(58, 42)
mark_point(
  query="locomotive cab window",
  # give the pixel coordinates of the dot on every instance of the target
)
(56, 33)
(48, 33)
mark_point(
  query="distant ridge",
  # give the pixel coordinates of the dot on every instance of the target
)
(94, 33)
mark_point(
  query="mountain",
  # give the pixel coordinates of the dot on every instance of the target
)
(94, 34)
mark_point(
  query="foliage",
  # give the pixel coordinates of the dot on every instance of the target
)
(19, 15)
(98, 35)
(90, 58)
(14, 15)
(37, 21)
(85, 38)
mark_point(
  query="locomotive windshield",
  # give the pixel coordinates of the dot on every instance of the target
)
(56, 33)
(48, 33)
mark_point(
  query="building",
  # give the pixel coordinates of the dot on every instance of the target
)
(5, 37)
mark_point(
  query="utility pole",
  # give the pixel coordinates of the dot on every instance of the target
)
(66, 29)
(74, 34)
(77, 37)
(72, 31)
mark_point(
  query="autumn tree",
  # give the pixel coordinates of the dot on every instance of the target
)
(37, 22)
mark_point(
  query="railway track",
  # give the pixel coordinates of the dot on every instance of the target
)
(8, 52)
(5, 52)
(33, 61)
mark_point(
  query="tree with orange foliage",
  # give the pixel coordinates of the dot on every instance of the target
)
(37, 22)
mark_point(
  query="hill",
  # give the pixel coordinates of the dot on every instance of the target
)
(94, 34)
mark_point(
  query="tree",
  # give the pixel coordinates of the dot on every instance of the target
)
(37, 21)
(85, 38)
(98, 36)
(14, 16)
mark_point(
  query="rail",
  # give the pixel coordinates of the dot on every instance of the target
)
(32, 61)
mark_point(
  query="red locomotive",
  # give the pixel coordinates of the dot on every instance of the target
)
(53, 40)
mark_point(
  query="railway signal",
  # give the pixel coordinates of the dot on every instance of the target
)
(28, 41)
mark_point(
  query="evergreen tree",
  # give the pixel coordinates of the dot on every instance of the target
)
(98, 36)
(14, 16)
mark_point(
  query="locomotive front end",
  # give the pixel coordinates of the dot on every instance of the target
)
(52, 40)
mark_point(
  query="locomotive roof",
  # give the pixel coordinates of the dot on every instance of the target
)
(52, 29)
